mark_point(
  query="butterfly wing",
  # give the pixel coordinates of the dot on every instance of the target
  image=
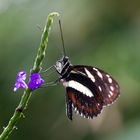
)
(88, 90)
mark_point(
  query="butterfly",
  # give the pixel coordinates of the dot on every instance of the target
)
(88, 89)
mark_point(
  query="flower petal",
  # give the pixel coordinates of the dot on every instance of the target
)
(21, 75)
(20, 81)
(35, 81)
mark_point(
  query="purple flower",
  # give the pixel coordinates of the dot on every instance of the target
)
(20, 82)
(35, 81)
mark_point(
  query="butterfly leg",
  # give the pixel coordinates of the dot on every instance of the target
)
(48, 69)
(53, 83)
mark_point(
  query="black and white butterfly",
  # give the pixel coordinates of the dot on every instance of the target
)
(88, 89)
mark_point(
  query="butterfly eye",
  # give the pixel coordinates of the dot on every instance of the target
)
(59, 66)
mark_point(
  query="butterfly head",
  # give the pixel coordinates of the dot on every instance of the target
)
(62, 64)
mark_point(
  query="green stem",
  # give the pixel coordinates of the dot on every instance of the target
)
(27, 93)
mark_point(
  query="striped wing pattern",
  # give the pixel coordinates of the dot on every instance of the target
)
(88, 90)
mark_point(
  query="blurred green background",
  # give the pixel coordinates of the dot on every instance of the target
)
(101, 33)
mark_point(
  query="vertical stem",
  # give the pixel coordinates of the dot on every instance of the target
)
(36, 68)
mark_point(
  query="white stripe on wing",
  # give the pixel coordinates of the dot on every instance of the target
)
(79, 87)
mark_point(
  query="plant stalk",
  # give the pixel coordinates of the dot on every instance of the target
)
(36, 68)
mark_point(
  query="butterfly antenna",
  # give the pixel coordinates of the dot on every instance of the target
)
(64, 51)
